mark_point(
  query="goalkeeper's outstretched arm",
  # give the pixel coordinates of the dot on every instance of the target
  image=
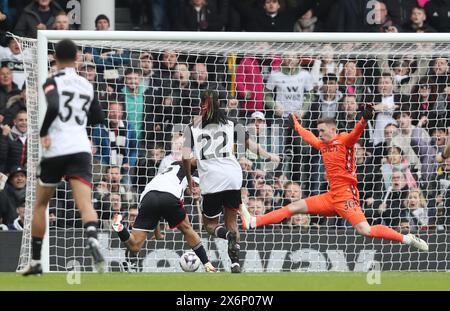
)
(309, 137)
(352, 138)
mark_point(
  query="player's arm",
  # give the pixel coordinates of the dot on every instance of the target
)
(95, 114)
(259, 150)
(52, 98)
(186, 155)
(352, 138)
(309, 137)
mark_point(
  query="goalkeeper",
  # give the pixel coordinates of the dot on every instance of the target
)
(338, 154)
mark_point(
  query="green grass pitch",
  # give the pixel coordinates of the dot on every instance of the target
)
(225, 281)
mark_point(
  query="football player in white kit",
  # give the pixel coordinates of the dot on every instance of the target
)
(212, 138)
(162, 197)
(66, 151)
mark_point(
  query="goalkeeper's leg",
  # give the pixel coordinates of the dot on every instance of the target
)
(43, 196)
(384, 232)
(194, 242)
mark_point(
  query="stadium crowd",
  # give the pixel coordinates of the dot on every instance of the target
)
(148, 95)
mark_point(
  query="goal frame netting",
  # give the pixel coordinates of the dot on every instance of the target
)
(40, 71)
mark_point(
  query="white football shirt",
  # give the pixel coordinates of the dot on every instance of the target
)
(217, 165)
(68, 130)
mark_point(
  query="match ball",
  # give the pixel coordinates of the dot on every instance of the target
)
(189, 262)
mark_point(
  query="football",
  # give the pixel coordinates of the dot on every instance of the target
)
(189, 262)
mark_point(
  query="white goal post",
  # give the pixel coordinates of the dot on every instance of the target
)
(312, 244)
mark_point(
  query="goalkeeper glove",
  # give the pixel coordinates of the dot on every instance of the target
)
(368, 112)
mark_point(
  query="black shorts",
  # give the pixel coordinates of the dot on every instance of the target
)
(214, 203)
(155, 205)
(77, 165)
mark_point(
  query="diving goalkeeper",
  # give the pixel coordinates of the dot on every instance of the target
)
(338, 154)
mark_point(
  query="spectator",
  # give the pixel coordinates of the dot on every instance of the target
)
(437, 12)
(150, 79)
(18, 223)
(351, 81)
(13, 143)
(417, 22)
(61, 21)
(200, 15)
(306, 23)
(7, 88)
(368, 179)
(250, 85)
(200, 82)
(111, 184)
(271, 17)
(148, 165)
(13, 195)
(12, 56)
(386, 102)
(256, 206)
(266, 193)
(382, 20)
(38, 15)
(134, 100)
(388, 204)
(14, 104)
(396, 161)
(257, 130)
(109, 62)
(410, 138)
(288, 91)
(416, 210)
(324, 64)
(292, 192)
(301, 220)
(175, 154)
(380, 150)
(102, 23)
(167, 63)
(440, 72)
(88, 71)
(326, 104)
(116, 142)
(348, 114)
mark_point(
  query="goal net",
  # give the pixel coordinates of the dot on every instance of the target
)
(150, 87)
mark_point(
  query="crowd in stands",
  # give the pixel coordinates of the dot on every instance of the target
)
(148, 96)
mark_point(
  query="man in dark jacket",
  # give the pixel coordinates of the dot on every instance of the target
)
(13, 143)
(438, 13)
(38, 15)
(13, 195)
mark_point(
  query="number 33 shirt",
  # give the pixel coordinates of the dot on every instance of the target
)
(70, 103)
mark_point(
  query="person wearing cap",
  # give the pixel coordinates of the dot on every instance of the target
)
(257, 131)
(163, 198)
(13, 194)
(88, 70)
(38, 15)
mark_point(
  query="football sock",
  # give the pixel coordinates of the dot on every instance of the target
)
(36, 246)
(91, 229)
(201, 253)
(384, 232)
(221, 232)
(273, 217)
